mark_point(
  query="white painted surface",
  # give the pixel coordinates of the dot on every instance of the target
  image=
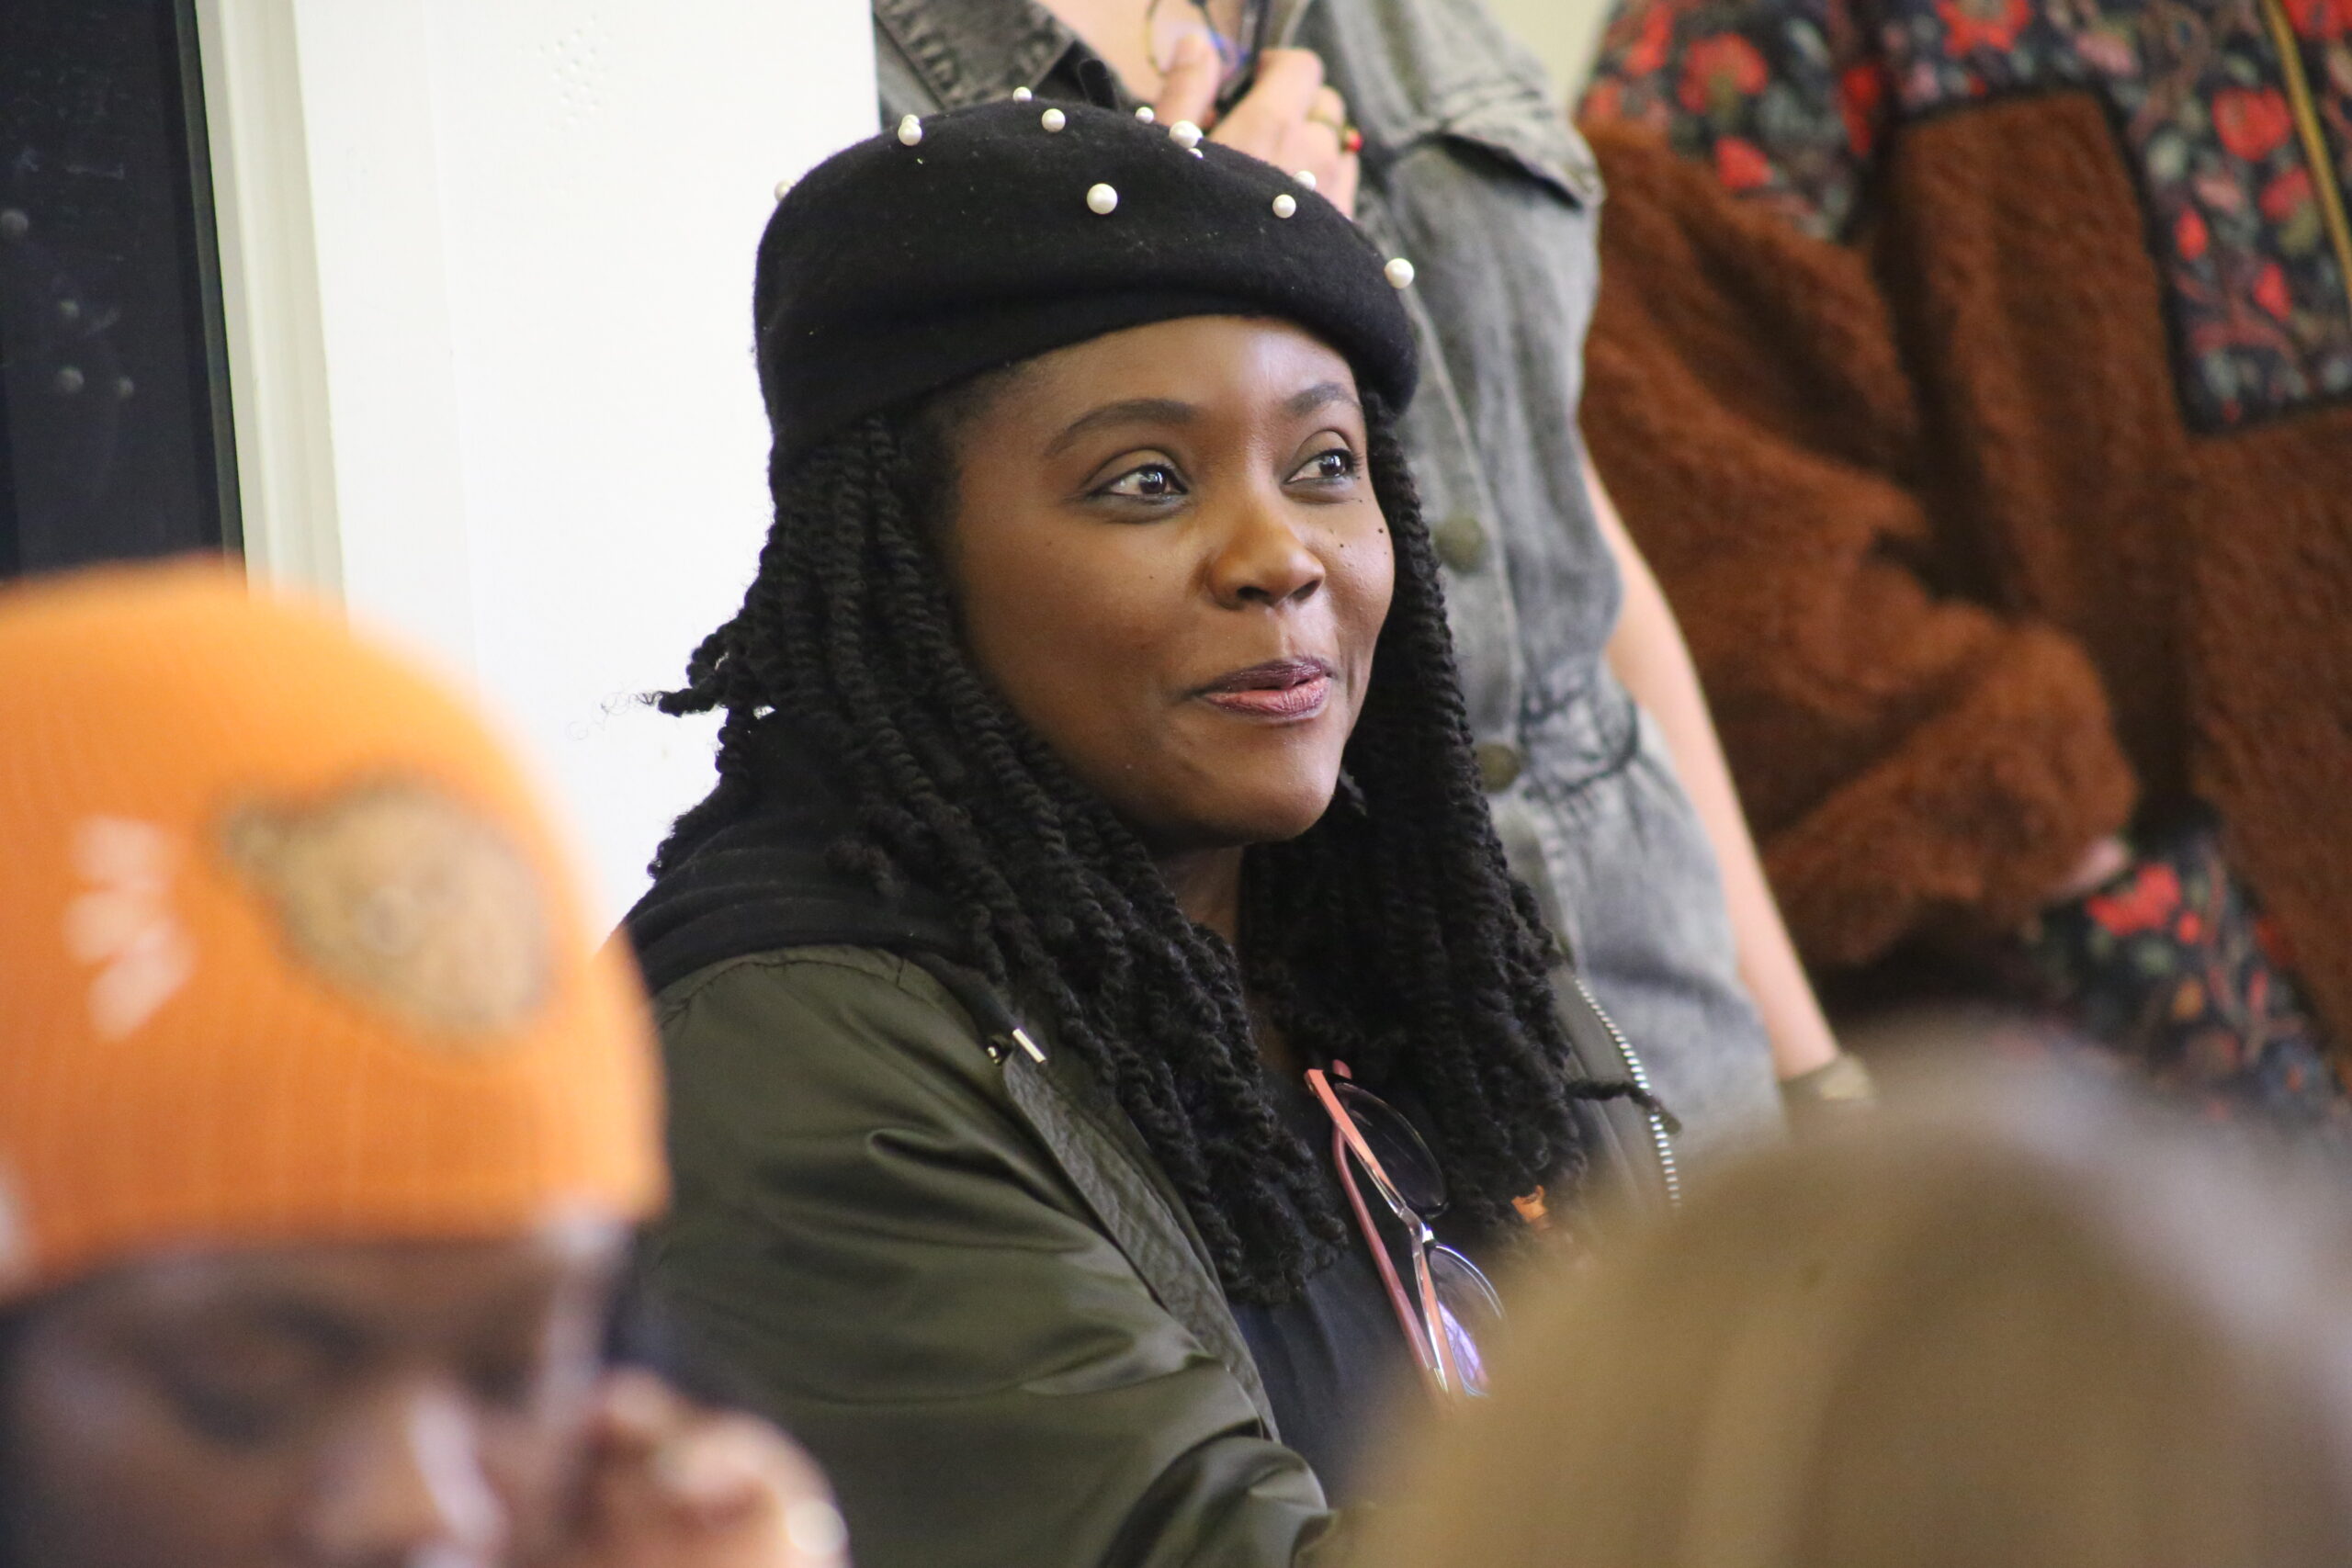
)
(261, 194)
(511, 412)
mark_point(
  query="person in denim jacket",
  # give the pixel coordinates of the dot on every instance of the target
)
(1467, 167)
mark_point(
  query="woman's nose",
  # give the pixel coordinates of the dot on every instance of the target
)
(406, 1486)
(1263, 557)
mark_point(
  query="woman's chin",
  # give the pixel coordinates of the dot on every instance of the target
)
(1274, 818)
(1226, 800)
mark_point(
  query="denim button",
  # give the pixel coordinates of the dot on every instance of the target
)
(1460, 542)
(1499, 765)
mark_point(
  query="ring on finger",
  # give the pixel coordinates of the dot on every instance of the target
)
(1351, 138)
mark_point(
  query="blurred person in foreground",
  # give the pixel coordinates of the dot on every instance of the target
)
(2026, 1326)
(322, 1127)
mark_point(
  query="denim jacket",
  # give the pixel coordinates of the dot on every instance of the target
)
(1473, 173)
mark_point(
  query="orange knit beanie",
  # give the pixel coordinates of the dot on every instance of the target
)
(287, 950)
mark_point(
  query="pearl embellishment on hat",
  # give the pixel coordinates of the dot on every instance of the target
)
(1306, 177)
(1144, 113)
(1286, 205)
(783, 189)
(910, 131)
(1185, 134)
(1101, 200)
(1399, 273)
(1021, 94)
(1053, 119)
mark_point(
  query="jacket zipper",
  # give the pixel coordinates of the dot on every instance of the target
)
(1659, 1137)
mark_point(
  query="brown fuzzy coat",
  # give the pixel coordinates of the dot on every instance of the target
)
(1961, 584)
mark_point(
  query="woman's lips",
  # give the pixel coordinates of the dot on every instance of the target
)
(1280, 688)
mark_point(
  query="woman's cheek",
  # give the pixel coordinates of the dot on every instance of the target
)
(1368, 580)
(113, 1479)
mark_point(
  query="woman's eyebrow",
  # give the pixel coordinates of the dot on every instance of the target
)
(1134, 411)
(1322, 395)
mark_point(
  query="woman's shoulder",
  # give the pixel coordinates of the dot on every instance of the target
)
(818, 1086)
(799, 971)
(832, 1021)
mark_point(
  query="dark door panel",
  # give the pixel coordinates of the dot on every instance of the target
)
(114, 408)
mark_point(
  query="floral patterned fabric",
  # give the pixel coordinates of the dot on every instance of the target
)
(1790, 99)
(2172, 968)
(2169, 971)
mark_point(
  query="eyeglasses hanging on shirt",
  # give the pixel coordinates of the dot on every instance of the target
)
(1445, 1306)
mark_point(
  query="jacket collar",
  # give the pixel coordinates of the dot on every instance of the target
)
(976, 51)
(765, 880)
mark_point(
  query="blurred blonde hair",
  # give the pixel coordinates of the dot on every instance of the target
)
(2023, 1326)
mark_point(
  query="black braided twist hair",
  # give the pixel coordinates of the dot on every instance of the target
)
(1391, 935)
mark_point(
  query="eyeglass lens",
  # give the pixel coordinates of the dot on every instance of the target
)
(1404, 1157)
(1456, 1310)
(1469, 1315)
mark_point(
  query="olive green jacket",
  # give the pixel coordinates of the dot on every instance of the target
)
(954, 1272)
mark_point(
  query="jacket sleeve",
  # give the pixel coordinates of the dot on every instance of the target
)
(1909, 757)
(885, 1261)
(1785, 100)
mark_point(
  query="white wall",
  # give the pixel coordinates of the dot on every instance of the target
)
(1562, 31)
(488, 275)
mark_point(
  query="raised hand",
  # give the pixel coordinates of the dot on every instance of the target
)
(671, 1485)
(1290, 117)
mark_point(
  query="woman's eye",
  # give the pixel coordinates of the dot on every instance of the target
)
(1329, 467)
(1146, 482)
(248, 1388)
(508, 1382)
(234, 1418)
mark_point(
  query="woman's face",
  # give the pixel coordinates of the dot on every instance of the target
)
(342, 1406)
(1169, 559)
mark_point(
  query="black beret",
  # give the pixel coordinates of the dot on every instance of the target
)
(975, 239)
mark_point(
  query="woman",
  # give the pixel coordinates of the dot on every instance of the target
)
(321, 1130)
(2034, 1327)
(1424, 120)
(1094, 784)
